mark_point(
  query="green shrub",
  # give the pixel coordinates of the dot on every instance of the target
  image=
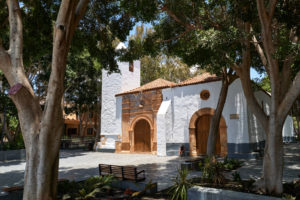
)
(231, 164)
(179, 190)
(86, 189)
(236, 176)
(212, 170)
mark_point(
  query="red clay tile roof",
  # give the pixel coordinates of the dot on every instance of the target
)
(161, 83)
(156, 84)
(202, 78)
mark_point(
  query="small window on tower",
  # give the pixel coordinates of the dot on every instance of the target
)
(131, 66)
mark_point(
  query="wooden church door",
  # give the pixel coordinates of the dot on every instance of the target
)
(142, 142)
(202, 132)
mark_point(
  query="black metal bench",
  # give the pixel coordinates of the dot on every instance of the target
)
(122, 172)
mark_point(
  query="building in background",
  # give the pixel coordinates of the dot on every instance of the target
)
(88, 123)
(161, 117)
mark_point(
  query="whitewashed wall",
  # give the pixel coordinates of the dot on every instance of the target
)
(288, 129)
(111, 113)
(163, 126)
(186, 101)
(256, 132)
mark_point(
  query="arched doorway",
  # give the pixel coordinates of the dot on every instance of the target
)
(142, 136)
(202, 132)
(199, 130)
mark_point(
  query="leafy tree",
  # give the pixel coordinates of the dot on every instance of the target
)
(241, 34)
(180, 33)
(83, 87)
(28, 72)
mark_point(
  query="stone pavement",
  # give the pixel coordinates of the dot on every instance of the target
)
(253, 168)
(80, 165)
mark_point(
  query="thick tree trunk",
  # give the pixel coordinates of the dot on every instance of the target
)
(215, 120)
(273, 157)
(41, 171)
(41, 130)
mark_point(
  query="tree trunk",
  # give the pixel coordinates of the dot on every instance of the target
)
(80, 126)
(273, 158)
(41, 171)
(4, 127)
(98, 133)
(41, 130)
(215, 120)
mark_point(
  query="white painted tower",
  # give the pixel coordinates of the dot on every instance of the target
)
(111, 112)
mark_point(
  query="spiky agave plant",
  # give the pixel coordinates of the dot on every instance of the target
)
(179, 190)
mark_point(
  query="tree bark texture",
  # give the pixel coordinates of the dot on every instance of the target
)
(41, 130)
(284, 92)
(215, 120)
(273, 157)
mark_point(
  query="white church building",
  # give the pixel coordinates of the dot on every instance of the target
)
(161, 116)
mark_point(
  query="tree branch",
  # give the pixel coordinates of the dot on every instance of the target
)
(260, 52)
(173, 16)
(247, 85)
(15, 33)
(264, 18)
(178, 36)
(269, 50)
(285, 77)
(69, 14)
(290, 97)
(272, 8)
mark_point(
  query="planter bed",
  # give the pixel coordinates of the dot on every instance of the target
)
(199, 193)
(237, 190)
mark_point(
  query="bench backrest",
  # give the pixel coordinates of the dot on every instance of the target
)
(125, 172)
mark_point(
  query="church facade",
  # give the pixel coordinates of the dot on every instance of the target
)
(162, 116)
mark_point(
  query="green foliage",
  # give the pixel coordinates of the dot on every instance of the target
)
(170, 68)
(212, 170)
(87, 189)
(18, 143)
(264, 83)
(147, 187)
(231, 164)
(236, 176)
(179, 190)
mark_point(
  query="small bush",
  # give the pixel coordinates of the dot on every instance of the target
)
(236, 176)
(231, 164)
(179, 190)
(213, 170)
(86, 189)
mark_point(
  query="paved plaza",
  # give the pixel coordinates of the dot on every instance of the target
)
(253, 168)
(79, 165)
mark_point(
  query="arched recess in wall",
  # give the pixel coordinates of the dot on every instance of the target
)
(132, 140)
(193, 131)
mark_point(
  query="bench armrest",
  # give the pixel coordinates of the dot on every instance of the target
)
(143, 171)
